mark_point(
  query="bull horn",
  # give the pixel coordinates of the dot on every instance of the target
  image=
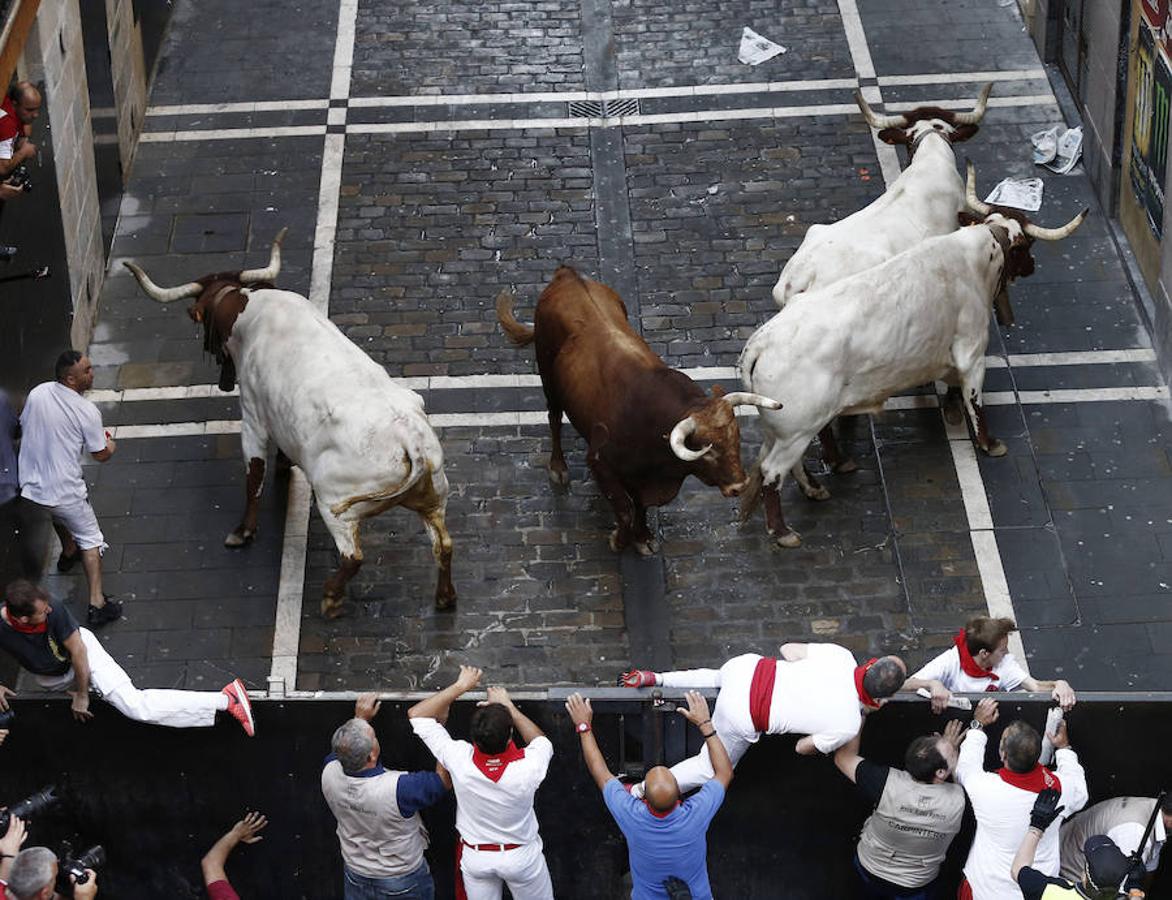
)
(746, 398)
(977, 205)
(251, 276)
(679, 435)
(163, 295)
(978, 111)
(1055, 234)
(873, 118)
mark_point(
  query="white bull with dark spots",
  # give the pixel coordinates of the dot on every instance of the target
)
(363, 442)
(846, 348)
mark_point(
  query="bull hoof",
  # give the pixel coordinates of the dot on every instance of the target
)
(241, 537)
(647, 548)
(559, 478)
(332, 608)
(817, 492)
(995, 448)
(789, 539)
(846, 467)
(953, 408)
(445, 601)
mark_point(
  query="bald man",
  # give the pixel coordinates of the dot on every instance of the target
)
(815, 690)
(666, 839)
(19, 110)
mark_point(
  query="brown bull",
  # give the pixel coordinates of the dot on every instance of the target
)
(648, 426)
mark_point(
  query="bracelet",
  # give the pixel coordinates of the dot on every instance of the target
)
(582, 727)
(710, 734)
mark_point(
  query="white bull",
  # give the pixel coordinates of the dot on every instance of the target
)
(922, 315)
(921, 203)
(363, 442)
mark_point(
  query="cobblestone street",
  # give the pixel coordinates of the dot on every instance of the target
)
(454, 149)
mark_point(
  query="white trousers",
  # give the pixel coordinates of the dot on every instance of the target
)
(175, 709)
(523, 870)
(730, 718)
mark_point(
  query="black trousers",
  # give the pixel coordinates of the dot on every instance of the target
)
(24, 536)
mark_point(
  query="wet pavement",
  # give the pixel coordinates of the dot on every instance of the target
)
(446, 154)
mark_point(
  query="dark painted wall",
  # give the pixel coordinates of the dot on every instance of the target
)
(157, 798)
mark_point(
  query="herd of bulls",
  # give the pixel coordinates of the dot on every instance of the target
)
(894, 296)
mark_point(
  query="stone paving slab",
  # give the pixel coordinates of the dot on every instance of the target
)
(467, 47)
(279, 50)
(432, 225)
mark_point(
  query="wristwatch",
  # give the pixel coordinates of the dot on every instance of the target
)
(582, 727)
(976, 725)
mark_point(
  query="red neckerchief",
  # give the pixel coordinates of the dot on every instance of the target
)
(761, 692)
(860, 671)
(26, 629)
(494, 767)
(660, 815)
(1035, 780)
(968, 665)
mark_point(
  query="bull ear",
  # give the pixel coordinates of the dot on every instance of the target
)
(196, 314)
(717, 390)
(893, 136)
(967, 218)
(962, 133)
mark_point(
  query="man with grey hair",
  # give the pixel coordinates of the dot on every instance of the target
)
(381, 834)
(34, 877)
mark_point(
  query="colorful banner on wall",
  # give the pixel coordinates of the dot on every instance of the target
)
(1156, 14)
(1149, 130)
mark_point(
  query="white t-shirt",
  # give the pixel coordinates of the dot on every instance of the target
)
(817, 696)
(946, 669)
(489, 812)
(1128, 835)
(57, 426)
(1002, 811)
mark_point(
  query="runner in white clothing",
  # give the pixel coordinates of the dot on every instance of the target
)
(57, 425)
(816, 690)
(1002, 801)
(494, 781)
(979, 661)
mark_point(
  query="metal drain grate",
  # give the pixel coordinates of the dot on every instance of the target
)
(598, 109)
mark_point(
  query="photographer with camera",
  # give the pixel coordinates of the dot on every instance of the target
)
(38, 875)
(19, 110)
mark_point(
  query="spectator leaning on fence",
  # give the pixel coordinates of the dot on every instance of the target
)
(918, 811)
(47, 642)
(380, 832)
(666, 839)
(978, 662)
(1002, 801)
(815, 690)
(495, 781)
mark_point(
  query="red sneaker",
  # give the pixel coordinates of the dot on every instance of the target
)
(239, 706)
(637, 678)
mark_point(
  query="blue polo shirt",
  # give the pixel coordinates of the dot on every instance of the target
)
(660, 847)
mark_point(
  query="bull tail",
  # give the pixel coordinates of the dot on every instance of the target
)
(384, 494)
(751, 493)
(519, 334)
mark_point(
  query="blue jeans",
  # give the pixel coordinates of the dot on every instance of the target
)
(877, 889)
(415, 885)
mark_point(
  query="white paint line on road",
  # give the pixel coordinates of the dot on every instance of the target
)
(670, 118)
(342, 70)
(968, 473)
(291, 586)
(504, 419)
(700, 373)
(212, 109)
(963, 77)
